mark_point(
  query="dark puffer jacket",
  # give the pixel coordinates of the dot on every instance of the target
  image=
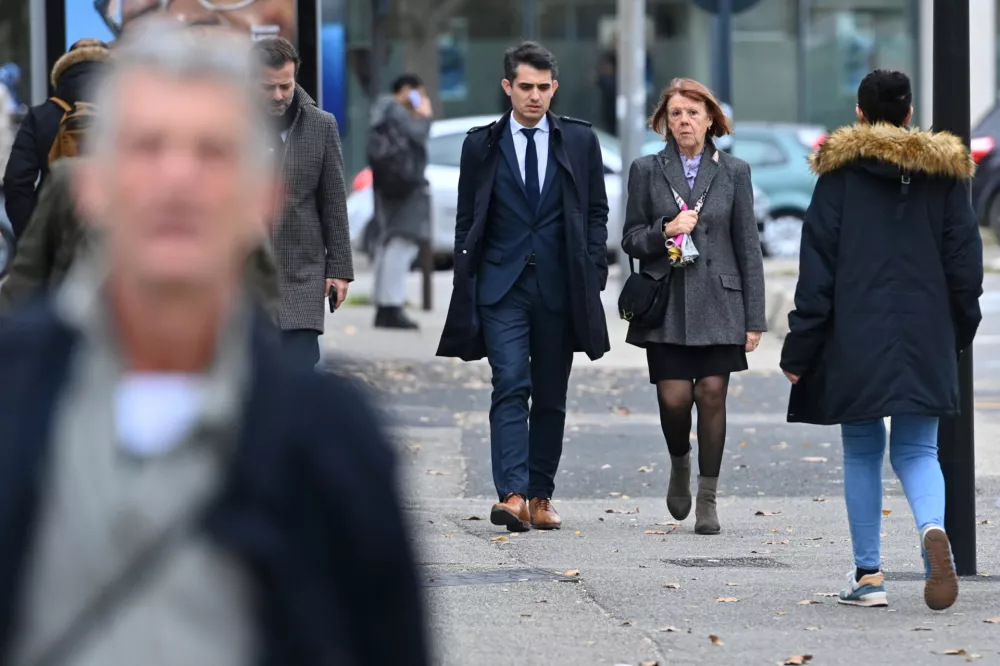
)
(891, 271)
(73, 80)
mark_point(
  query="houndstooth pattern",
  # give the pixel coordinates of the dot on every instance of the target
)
(312, 239)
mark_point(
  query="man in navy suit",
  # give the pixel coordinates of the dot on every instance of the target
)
(530, 264)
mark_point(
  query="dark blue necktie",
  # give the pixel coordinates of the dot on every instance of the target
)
(531, 168)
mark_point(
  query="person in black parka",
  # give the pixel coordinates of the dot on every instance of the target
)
(73, 78)
(891, 272)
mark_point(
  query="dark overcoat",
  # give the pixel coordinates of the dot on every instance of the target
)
(891, 271)
(576, 152)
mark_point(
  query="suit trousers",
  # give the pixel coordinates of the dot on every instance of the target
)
(393, 262)
(302, 346)
(530, 350)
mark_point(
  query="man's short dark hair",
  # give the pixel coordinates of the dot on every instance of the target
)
(406, 81)
(275, 53)
(532, 54)
(885, 96)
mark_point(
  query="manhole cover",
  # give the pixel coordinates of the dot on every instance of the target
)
(503, 577)
(728, 562)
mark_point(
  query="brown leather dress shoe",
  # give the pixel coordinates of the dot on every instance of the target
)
(543, 516)
(512, 513)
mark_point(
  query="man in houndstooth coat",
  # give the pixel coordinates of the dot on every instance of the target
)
(312, 243)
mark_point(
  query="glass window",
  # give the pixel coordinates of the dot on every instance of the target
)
(15, 45)
(757, 152)
(765, 58)
(846, 40)
(446, 150)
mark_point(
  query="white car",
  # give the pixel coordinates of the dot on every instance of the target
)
(444, 154)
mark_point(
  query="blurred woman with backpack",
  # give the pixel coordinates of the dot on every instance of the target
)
(73, 78)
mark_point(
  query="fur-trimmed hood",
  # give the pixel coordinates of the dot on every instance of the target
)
(933, 153)
(75, 57)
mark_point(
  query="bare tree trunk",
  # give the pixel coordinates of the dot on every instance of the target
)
(419, 25)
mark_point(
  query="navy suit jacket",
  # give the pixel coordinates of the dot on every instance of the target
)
(309, 502)
(575, 152)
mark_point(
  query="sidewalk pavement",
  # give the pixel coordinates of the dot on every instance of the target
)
(630, 587)
(621, 583)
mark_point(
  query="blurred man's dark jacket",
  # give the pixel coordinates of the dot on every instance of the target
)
(55, 236)
(309, 501)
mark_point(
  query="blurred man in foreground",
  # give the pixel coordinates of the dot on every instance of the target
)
(171, 487)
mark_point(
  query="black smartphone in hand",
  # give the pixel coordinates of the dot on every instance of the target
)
(333, 299)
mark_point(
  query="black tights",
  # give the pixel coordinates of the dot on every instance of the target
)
(676, 397)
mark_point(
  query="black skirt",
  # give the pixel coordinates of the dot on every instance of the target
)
(683, 362)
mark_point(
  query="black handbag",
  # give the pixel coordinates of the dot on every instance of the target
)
(643, 301)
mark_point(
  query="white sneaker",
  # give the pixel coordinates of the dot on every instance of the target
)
(868, 592)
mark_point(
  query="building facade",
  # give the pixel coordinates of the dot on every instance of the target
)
(793, 60)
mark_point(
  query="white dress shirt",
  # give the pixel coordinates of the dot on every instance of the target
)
(541, 145)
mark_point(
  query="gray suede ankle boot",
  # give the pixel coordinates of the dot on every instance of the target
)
(706, 519)
(679, 490)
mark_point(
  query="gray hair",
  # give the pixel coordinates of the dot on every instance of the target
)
(168, 48)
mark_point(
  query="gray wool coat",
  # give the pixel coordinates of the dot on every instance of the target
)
(311, 237)
(720, 297)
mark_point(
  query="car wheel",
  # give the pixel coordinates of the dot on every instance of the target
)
(783, 234)
(7, 242)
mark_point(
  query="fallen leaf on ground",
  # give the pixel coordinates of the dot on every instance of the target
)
(732, 584)
(525, 614)
(820, 499)
(499, 538)
(782, 613)
(986, 522)
(473, 518)
(572, 572)
(886, 512)
(628, 623)
(671, 630)
(953, 653)
(434, 472)
(974, 656)
(812, 628)
(715, 640)
(654, 532)
(672, 586)
(809, 602)
(542, 601)
(814, 459)
(621, 411)
(615, 494)
(645, 469)
(650, 663)
(831, 595)
(783, 542)
(727, 600)
(768, 513)
(798, 660)
(992, 620)
(605, 466)
(627, 513)
(922, 629)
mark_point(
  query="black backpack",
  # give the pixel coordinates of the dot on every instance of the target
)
(394, 160)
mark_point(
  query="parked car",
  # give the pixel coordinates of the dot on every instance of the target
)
(778, 157)
(986, 184)
(444, 154)
(6, 242)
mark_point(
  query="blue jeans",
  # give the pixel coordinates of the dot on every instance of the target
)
(913, 452)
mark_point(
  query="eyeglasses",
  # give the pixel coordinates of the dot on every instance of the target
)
(115, 23)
